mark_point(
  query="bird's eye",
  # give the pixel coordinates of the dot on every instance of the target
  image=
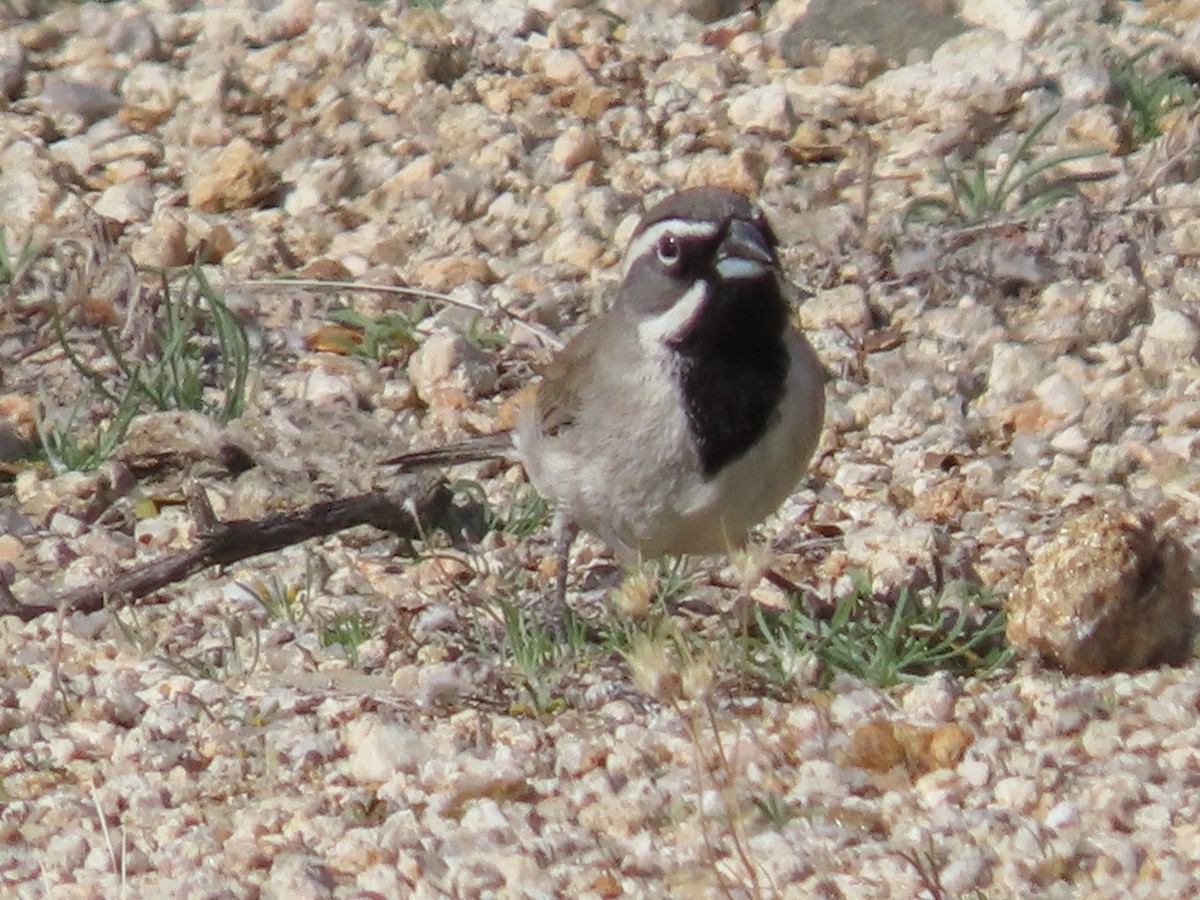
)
(668, 250)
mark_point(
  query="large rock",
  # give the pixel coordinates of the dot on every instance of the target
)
(1106, 594)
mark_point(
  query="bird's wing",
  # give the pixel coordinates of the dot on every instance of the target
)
(560, 393)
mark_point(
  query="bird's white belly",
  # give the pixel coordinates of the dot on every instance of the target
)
(640, 489)
(621, 485)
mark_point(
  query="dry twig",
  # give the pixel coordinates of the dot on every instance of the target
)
(408, 514)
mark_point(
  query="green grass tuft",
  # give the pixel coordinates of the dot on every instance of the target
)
(885, 643)
(1022, 188)
(1146, 96)
(197, 358)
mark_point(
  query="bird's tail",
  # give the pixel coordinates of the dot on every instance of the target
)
(476, 449)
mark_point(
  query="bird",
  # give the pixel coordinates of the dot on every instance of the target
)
(678, 420)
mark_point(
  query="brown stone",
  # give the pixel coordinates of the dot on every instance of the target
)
(881, 745)
(1108, 593)
(237, 177)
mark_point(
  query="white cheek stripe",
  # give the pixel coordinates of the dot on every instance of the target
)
(667, 325)
(648, 240)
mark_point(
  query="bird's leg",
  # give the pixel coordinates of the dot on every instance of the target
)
(564, 535)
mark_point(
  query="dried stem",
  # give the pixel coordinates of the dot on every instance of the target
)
(407, 514)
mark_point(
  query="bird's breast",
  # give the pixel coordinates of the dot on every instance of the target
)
(631, 470)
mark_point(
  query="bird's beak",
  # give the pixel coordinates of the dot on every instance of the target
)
(743, 254)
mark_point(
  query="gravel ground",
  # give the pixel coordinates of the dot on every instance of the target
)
(347, 717)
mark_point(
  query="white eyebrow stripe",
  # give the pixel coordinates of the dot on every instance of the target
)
(667, 325)
(648, 239)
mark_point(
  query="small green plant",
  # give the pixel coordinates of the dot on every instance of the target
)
(66, 452)
(879, 642)
(13, 263)
(379, 336)
(775, 809)
(1148, 96)
(348, 630)
(221, 661)
(540, 652)
(673, 580)
(484, 338)
(282, 602)
(179, 366)
(196, 344)
(236, 654)
(531, 645)
(525, 513)
(1023, 187)
(134, 631)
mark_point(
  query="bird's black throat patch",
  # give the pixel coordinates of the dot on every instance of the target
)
(732, 372)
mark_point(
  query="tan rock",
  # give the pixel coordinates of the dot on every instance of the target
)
(763, 109)
(447, 367)
(574, 146)
(978, 70)
(19, 413)
(881, 744)
(164, 244)
(1018, 21)
(574, 248)
(11, 549)
(741, 170)
(945, 500)
(844, 307)
(126, 202)
(418, 172)
(448, 272)
(237, 177)
(1107, 593)
(784, 14)
(176, 440)
(565, 67)
(423, 26)
(212, 243)
(1097, 126)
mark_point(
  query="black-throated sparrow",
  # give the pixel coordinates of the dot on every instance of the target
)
(685, 415)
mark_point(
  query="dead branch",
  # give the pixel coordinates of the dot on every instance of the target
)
(408, 514)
